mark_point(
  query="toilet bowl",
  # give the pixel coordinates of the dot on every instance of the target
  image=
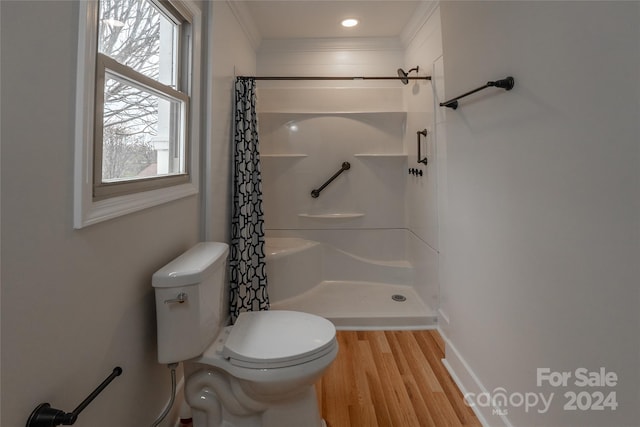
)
(264, 369)
(259, 372)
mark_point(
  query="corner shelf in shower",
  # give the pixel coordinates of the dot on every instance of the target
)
(332, 216)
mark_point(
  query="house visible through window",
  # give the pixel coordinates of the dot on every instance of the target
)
(141, 98)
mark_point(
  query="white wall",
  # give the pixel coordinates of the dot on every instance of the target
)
(329, 57)
(75, 303)
(542, 201)
(231, 53)
(421, 202)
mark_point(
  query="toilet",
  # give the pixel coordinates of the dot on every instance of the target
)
(259, 372)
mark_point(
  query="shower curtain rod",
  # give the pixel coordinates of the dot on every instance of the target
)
(331, 78)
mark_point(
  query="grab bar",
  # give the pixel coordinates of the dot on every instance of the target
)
(423, 133)
(345, 166)
(507, 84)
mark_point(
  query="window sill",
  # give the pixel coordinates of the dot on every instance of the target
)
(90, 212)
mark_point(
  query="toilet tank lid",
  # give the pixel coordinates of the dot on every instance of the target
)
(192, 266)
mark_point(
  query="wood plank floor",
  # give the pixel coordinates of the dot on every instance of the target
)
(391, 379)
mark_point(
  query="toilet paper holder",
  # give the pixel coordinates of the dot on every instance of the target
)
(46, 416)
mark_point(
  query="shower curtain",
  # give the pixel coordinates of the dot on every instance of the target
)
(247, 257)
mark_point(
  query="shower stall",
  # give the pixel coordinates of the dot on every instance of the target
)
(336, 161)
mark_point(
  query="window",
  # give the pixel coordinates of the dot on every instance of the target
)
(137, 112)
(141, 105)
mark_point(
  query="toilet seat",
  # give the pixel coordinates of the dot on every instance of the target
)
(277, 339)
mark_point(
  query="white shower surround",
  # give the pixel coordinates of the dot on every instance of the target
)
(350, 276)
(344, 254)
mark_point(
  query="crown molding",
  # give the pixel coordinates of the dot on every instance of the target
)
(417, 21)
(248, 25)
(413, 27)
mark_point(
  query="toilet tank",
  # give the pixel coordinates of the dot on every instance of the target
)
(191, 301)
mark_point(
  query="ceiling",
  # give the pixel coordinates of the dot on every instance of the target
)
(296, 19)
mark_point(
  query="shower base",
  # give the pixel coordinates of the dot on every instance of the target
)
(353, 305)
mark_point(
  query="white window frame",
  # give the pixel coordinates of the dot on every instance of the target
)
(89, 210)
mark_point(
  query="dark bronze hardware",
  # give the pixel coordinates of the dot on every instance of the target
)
(345, 166)
(506, 84)
(423, 133)
(46, 416)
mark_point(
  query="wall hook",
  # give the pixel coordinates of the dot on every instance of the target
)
(46, 416)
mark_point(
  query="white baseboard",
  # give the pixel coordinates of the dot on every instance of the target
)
(442, 317)
(468, 382)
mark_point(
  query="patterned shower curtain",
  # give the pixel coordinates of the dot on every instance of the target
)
(247, 257)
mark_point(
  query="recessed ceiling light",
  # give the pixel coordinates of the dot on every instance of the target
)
(349, 22)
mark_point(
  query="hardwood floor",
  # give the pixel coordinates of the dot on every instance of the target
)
(391, 378)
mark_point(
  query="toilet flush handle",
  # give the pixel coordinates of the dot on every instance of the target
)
(182, 297)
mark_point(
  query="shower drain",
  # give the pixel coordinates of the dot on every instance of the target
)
(398, 297)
